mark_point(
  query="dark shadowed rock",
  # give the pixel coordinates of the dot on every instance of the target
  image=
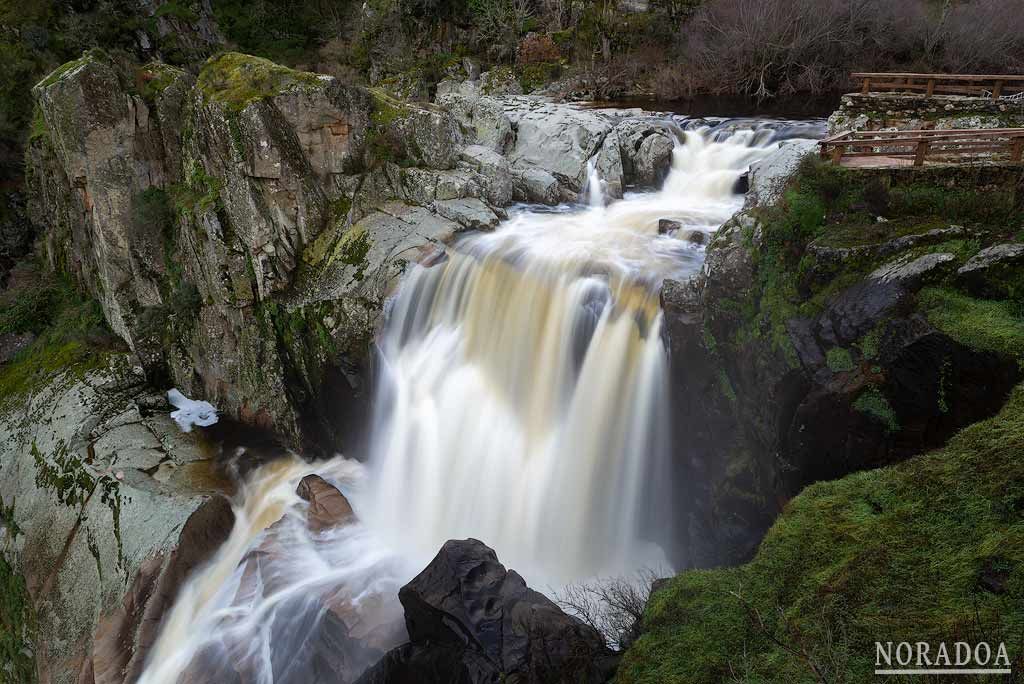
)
(666, 226)
(472, 621)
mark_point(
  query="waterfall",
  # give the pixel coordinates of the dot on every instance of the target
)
(521, 400)
(594, 189)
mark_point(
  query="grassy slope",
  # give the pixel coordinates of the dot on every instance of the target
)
(931, 549)
(893, 554)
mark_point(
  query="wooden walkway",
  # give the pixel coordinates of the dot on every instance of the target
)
(917, 148)
(994, 86)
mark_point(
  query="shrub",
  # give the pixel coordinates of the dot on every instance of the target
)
(537, 48)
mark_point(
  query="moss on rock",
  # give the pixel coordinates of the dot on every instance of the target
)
(929, 550)
(237, 80)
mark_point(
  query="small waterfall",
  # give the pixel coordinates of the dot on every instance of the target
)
(521, 400)
(594, 189)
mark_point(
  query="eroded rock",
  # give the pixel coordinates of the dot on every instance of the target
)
(471, 620)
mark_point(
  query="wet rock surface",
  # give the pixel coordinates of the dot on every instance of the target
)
(103, 490)
(471, 620)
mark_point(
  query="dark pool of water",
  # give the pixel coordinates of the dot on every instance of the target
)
(732, 106)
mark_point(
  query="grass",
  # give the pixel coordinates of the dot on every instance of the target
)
(873, 403)
(69, 327)
(987, 325)
(928, 550)
(236, 80)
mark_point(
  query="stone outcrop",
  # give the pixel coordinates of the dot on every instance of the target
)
(777, 388)
(995, 271)
(101, 488)
(549, 147)
(768, 176)
(242, 229)
(472, 621)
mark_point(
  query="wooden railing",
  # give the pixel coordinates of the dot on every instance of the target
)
(993, 86)
(994, 144)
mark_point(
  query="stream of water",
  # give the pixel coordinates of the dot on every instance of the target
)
(521, 400)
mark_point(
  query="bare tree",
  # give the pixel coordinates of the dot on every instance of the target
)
(612, 606)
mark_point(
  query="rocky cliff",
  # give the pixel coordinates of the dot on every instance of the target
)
(243, 228)
(852, 320)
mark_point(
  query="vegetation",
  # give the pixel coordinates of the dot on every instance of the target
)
(928, 550)
(236, 80)
(988, 325)
(17, 628)
(69, 331)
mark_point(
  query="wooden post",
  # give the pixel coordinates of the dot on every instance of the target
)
(867, 85)
(1017, 151)
(837, 154)
(931, 87)
(921, 153)
(998, 90)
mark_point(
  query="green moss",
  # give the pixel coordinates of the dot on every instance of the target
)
(535, 76)
(869, 343)
(996, 326)
(68, 67)
(155, 78)
(38, 129)
(889, 555)
(236, 80)
(873, 403)
(17, 628)
(71, 335)
(199, 193)
(839, 360)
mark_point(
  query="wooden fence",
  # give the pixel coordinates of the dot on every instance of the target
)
(994, 144)
(993, 86)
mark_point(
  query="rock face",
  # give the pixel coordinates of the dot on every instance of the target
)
(771, 399)
(549, 146)
(472, 621)
(101, 489)
(242, 229)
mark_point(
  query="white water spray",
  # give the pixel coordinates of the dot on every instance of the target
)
(522, 401)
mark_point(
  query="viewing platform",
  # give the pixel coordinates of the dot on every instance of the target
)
(908, 119)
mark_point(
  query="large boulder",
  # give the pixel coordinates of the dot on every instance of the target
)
(559, 139)
(768, 176)
(646, 146)
(472, 621)
(996, 271)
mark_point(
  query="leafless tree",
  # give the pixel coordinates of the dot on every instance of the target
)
(612, 606)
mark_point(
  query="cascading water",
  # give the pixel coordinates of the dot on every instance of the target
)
(521, 401)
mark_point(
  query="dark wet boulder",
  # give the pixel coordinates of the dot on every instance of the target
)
(472, 621)
(327, 506)
(668, 226)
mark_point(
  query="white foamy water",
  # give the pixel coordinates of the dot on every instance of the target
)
(522, 400)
